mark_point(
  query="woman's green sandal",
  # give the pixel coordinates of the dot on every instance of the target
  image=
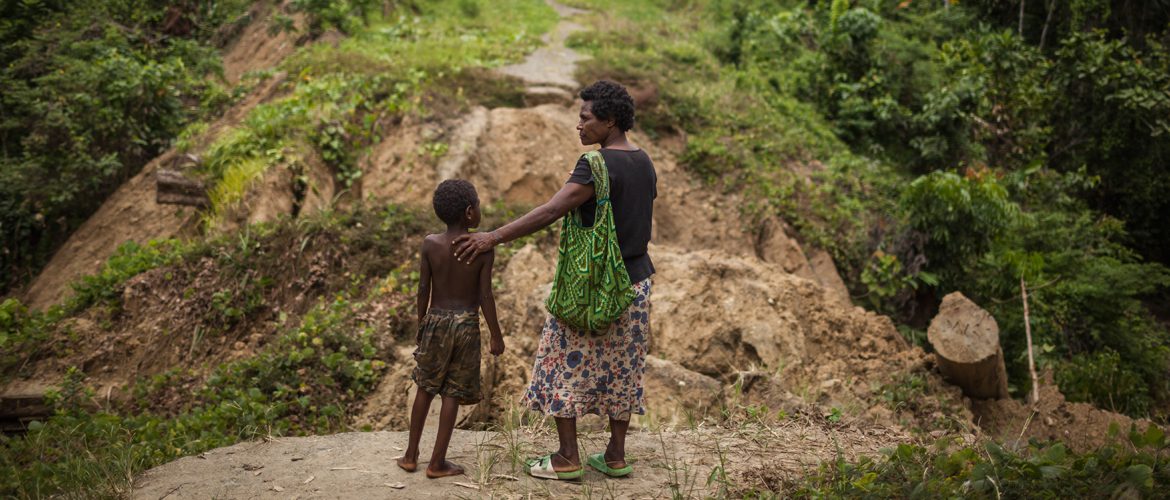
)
(597, 461)
(542, 467)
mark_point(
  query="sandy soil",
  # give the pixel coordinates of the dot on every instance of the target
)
(361, 465)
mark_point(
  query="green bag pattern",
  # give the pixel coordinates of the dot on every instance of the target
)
(591, 288)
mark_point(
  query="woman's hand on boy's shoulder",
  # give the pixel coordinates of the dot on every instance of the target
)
(468, 246)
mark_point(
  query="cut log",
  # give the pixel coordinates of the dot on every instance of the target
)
(966, 343)
(177, 189)
(22, 404)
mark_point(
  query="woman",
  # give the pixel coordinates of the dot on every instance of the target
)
(578, 373)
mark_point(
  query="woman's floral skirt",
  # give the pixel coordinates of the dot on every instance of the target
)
(577, 373)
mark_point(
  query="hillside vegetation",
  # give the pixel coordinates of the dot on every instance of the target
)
(928, 147)
(932, 148)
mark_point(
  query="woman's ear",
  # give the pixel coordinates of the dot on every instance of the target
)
(469, 212)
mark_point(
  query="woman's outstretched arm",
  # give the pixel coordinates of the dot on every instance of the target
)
(571, 196)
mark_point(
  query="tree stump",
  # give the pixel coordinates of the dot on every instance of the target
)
(966, 343)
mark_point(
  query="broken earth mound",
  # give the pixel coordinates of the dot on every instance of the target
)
(716, 319)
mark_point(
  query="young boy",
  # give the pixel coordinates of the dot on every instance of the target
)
(448, 332)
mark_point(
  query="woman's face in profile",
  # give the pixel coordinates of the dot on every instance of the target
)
(590, 129)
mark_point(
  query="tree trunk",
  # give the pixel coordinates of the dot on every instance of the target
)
(1047, 21)
(1021, 30)
(966, 343)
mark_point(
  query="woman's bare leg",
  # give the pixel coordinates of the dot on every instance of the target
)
(569, 458)
(615, 452)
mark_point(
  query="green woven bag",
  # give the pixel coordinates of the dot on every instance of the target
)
(591, 288)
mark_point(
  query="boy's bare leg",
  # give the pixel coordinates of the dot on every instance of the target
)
(615, 453)
(418, 418)
(567, 458)
(439, 466)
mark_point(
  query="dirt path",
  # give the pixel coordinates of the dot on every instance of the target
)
(361, 465)
(549, 71)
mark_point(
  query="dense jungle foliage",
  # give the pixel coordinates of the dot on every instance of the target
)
(93, 90)
(1027, 146)
(937, 146)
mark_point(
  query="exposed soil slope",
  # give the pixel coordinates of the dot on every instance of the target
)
(257, 48)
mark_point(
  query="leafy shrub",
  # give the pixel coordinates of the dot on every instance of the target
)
(1102, 378)
(990, 471)
(129, 259)
(833, 117)
(345, 15)
(21, 331)
(1086, 294)
(886, 278)
(1120, 96)
(960, 215)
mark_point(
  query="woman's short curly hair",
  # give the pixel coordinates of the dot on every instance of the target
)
(611, 101)
(452, 198)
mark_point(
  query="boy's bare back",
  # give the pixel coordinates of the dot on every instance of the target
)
(454, 284)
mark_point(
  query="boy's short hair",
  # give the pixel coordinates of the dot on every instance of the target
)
(452, 198)
(611, 101)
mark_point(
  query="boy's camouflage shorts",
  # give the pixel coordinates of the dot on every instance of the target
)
(448, 355)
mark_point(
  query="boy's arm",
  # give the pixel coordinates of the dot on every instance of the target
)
(424, 282)
(487, 302)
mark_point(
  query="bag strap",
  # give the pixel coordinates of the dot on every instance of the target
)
(600, 189)
(600, 175)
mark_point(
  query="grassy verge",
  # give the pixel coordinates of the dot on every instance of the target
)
(228, 286)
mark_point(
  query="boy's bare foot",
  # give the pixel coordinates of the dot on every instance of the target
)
(443, 469)
(408, 464)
